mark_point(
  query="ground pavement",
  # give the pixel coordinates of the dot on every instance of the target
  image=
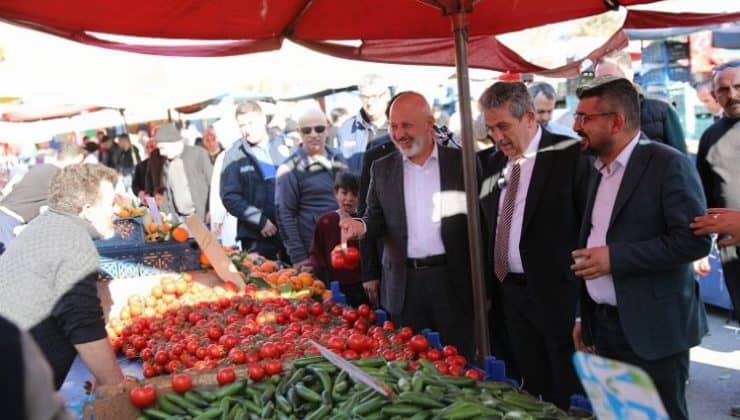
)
(714, 384)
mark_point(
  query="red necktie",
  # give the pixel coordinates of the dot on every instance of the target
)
(501, 247)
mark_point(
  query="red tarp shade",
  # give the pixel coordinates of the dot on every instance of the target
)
(314, 20)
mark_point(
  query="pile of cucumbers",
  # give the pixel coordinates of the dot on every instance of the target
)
(315, 389)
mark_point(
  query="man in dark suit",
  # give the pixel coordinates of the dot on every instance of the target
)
(532, 200)
(416, 205)
(640, 303)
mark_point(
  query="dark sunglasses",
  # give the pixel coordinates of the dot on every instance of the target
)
(318, 129)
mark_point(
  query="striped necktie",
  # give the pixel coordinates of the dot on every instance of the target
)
(501, 247)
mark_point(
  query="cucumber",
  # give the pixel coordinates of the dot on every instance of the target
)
(419, 399)
(209, 415)
(179, 400)
(169, 407)
(303, 362)
(228, 390)
(196, 399)
(153, 413)
(372, 405)
(371, 362)
(399, 409)
(319, 413)
(307, 394)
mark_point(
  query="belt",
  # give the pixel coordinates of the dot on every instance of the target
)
(516, 277)
(608, 310)
(426, 262)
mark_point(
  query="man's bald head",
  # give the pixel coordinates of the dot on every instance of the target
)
(413, 101)
(412, 126)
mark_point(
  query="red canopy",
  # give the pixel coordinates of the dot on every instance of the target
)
(30, 114)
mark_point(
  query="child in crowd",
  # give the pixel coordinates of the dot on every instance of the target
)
(326, 236)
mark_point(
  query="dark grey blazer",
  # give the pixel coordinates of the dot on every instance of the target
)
(651, 250)
(553, 212)
(385, 218)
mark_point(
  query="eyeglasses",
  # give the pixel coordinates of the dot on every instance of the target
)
(317, 128)
(581, 118)
(375, 97)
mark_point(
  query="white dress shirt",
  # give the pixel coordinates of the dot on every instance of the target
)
(601, 289)
(526, 167)
(422, 187)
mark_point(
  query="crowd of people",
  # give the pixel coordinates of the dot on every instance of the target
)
(590, 232)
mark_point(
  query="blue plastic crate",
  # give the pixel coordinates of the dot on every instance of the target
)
(665, 52)
(120, 262)
(129, 233)
(163, 257)
(665, 75)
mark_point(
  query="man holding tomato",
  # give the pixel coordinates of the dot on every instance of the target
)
(416, 206)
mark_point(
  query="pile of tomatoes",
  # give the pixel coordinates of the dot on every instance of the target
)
(264, 333)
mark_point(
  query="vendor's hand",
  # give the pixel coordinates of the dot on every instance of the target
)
(702, 267)
(371, 289)
(207, 219)
(268, 230)
(351, 229)
(591, 262)
(578, 339)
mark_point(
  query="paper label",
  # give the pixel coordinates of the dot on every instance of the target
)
(210, 246)
(618, 390)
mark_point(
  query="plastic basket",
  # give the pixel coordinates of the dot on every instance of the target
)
(164, 257)
(665, 52)
(128, 233)
(120, 262)
(665, 75)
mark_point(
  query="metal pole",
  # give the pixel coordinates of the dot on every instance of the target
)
(470, 176)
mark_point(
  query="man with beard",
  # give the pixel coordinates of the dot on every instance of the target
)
(639, 301)
(416, 206)
(248, 182)
(49, 275)
(305, 186)
(532, 199)
(717, 162)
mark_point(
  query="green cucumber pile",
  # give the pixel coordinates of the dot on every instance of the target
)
(315, 389)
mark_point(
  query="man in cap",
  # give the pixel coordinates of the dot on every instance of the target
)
(187, 173)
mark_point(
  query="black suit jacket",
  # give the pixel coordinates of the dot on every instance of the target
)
(552, 217)
(385, 218)
(371, 249)
(651, 250)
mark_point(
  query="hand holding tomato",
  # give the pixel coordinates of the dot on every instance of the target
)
(345, 258)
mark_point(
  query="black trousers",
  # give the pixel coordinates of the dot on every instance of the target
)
(543, 354)
(430, 303)
(669, 373)
(731, 271)
(355, 294)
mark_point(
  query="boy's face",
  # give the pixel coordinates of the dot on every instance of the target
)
(346, 200)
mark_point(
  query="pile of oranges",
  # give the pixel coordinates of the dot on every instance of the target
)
(165, 232)
(283, 279)
(126, 211)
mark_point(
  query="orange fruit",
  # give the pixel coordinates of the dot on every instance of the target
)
(180, 234)
(152, 227)
(203, 257)
(268, 266)
(306, 279)
(123, 213)
(165, 227)
(157, 291)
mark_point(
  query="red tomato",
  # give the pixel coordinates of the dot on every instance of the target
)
(335, 343)
(350, 355)
(149, 372)
(449, 350)
(475, 374)
(456, 370)
(161, 357)
(442, 367)
(142, 396)
(268, 351)
(214, 333)
(237, 356)
(273, 367)
(225, 376)
(457, 360)
(406, 333)
(434, 355)
(356, 342)
(351, 258)
(182, 383)
(316, 309)
(337, 258)
(256, 372)
(419, 343)
(360, 325)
